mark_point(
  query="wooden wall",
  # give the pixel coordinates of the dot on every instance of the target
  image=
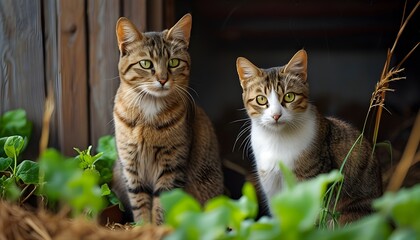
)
(71, 45)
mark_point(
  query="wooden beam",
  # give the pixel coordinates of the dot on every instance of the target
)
(103, 65)
(73, 110)
(52, 63)
(21, 62)
(135, 10)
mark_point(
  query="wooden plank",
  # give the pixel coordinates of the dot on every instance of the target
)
(135, 10)
(73, 109)
(51, 61)
(21, 60)
(103, 65)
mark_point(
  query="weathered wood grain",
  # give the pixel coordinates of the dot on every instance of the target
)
(136, 10)
(52, 63)
(72, 46)
(21, 62)
(103, 65)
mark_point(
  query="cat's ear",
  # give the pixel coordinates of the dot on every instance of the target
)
(181, 30)
(126, 33)
(246, 69)
(298, 65)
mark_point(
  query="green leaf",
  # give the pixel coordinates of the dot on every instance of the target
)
(369, 228)
(399, 206)
(65, 181)
(105, 171)
(106, 145)
(85, 194)
(105, 190)
(297, 208)
(404, 234)
(265, 228)
(248, 191)
(233, 214)
(8, 188)
(28, 171)
(15, 122)
(289, 177)
(56, 170)
(113, 199)
(13, 146)
(86, 160)
(5, 163)
(178, 205)
(235, 211)
(2, 142)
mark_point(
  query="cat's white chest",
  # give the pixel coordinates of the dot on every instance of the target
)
(151, 107)
(271, 147)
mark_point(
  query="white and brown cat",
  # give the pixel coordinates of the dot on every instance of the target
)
(164, 140)
(286, 127)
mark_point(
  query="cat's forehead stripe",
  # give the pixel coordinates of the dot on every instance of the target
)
(155, 45)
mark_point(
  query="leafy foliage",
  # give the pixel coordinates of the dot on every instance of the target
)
(13, 123)
(80, 182)
(13, 175)
(295, 213)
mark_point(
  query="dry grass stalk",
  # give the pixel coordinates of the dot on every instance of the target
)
(408, 157)
(49, 109)
(19, 223)
(389, 74)
(378, 101)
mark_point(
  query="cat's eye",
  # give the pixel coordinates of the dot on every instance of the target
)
(289, 97)
(173, 62)
(261, 100)
(146, 64)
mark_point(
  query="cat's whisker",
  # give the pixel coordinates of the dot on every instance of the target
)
(245, 128)
(239, 120)
(246, 146)
(193, 90)
(135, 98)
(184, 93)
(241, 133)
(113, 78)
(183, 97)
(189, 95)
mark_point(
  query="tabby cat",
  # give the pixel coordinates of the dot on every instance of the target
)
(164, 140)
(286, 127)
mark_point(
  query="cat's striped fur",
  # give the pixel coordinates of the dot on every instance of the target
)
(164, 140)
(286, 127)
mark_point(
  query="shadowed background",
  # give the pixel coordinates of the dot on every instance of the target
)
(71, 45)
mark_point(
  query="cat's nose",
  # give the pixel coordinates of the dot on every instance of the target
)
(162, 81)
(276, 117)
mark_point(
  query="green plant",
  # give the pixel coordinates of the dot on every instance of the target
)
(377, 102)
(65, 182)
(16, 177)
(80, 182)
(295, 213)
